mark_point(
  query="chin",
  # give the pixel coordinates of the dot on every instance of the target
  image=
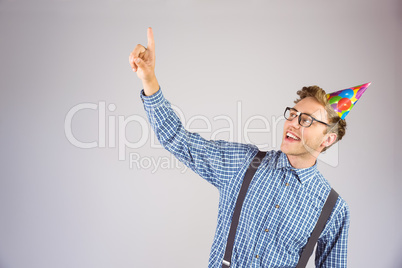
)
(285, 150)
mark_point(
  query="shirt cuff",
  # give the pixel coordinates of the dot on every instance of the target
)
(152, 101)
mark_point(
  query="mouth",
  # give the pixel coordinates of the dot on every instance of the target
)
(291, 136)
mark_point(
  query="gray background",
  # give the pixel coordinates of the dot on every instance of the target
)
(64, 206)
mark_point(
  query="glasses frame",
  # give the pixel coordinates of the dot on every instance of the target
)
(299, 117)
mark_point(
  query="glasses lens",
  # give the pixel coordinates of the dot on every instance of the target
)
(305, 120)
(290, 113)
(286, 113)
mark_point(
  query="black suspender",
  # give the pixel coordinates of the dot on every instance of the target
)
(308, 249)
(319, 227)
(239, 203)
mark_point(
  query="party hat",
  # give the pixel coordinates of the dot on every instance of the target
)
(344, 100)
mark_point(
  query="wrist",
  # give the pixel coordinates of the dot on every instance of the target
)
(151, 86)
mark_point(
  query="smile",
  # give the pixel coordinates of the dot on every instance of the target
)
(292, 136)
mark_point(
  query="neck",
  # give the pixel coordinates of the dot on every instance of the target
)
(298, 161)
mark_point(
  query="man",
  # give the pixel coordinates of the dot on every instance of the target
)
(287, 193)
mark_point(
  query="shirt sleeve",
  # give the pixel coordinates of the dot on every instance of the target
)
(332, 246)
(214, 160)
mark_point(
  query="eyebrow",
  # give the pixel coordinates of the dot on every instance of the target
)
(302, 113)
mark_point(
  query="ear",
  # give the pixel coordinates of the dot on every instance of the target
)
(329, 139)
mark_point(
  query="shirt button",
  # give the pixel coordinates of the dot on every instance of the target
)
(266, 230)
(257, 256)
(286, 184)
(277, 206)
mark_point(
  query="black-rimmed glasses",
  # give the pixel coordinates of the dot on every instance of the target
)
(305, 120)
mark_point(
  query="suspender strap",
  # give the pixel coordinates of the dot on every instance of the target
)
(239, 203)
(319, 227)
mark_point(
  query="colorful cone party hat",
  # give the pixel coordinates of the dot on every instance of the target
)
(343, 100)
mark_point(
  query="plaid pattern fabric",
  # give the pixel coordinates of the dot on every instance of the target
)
(282, 204)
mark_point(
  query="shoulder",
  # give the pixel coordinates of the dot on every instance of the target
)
(341, 206)
(338, 221)
(320, 188)
(320, 179)
(341, 209)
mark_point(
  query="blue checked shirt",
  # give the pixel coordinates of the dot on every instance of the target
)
(281, 207)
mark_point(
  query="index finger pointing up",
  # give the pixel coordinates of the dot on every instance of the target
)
(151, 41)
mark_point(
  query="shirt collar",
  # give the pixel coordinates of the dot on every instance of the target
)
(303, 174)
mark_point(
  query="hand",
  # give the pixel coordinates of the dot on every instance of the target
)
(142, 60)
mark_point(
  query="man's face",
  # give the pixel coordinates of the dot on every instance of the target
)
(305, 141)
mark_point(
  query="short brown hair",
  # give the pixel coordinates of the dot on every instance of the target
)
(338, 125)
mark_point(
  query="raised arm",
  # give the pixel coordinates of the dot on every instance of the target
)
(216, 161)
